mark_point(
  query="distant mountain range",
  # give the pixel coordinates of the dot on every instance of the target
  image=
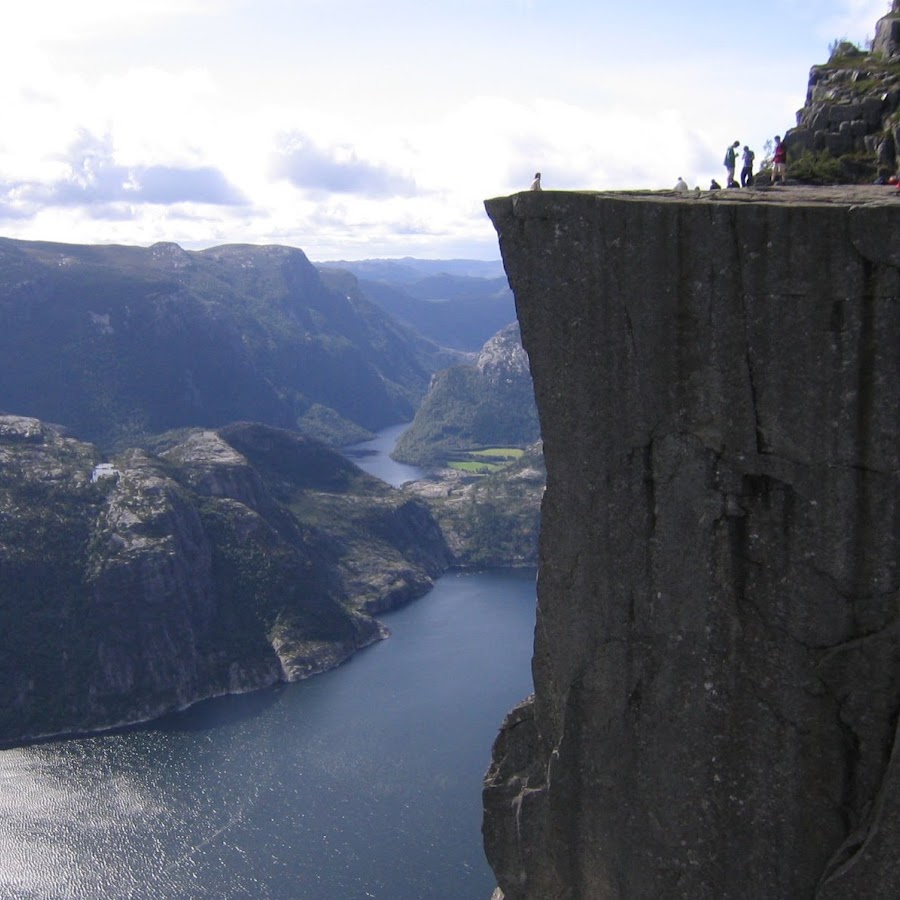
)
(118, 343)
(455, 303)
(408, 270)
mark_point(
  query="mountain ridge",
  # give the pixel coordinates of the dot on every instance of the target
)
(119, 343)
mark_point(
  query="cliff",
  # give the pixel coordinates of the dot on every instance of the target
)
(224, 561)
(717, 649)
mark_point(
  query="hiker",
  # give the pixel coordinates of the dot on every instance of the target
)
(747, 170)
(681, 184)
(714, 185)
(536, 184)
(730, 160)
(779, 161)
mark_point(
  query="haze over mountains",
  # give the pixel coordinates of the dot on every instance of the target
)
(118, 343)
(456, 303)
(224, 546)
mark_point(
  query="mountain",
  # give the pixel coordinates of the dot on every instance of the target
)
(408, 270)
(221, 561)
(488, 404)
(118, 343)
(455, 303)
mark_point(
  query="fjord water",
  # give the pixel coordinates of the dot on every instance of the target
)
(374, 457)
(364, 782)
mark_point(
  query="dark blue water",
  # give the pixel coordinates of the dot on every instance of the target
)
(373, 457)
(364, 782)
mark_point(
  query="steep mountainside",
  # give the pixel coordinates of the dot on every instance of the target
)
(224, 561)
(121, 342)
(489, 404)
(717, 648)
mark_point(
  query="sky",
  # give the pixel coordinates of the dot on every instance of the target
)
(354, 129)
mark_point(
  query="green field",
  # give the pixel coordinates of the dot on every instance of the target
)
(483, 462)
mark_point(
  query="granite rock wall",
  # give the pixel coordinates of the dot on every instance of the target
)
(717, 647)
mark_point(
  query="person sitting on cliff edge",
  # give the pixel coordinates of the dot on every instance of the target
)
(536, 184)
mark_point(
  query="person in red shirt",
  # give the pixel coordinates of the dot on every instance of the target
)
(779, 161)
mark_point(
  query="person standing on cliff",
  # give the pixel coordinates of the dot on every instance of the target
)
(747, 170)
(730, 161)
(779, 161)
(536, 184)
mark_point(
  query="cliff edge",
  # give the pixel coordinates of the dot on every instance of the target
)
(717, 647)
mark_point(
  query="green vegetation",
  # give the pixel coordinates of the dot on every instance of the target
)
(845, 55)
(821, 167)
(484, 462)
(470, 408)
(474, 468)
(505, 453)
(842, 52)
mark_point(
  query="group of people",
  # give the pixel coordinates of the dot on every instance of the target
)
(779, 164)
(779, 167)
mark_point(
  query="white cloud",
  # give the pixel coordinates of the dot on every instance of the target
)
(359, 161)
(42, 21)
(855, 21)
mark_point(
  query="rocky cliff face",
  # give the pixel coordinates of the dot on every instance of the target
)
(225, 561)
(717, 650)
(852, 108)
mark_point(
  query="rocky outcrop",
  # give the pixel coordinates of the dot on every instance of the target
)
(226, 561)
(503, 359)
(886, 43)
(852, 108)
(717, 648)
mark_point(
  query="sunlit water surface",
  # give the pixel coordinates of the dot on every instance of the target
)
(364, 782)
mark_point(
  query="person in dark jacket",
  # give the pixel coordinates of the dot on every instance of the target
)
(747, 167)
